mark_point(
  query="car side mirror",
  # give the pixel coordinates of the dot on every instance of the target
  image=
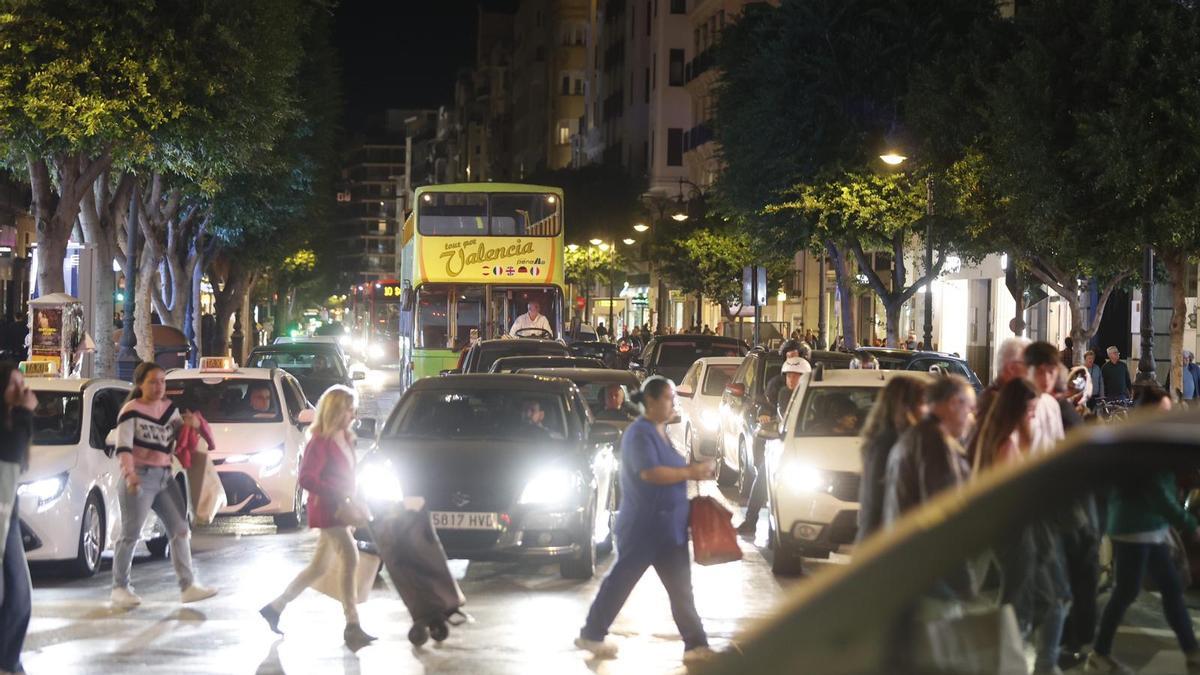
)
(602, 433)
(736, 390)
(406, 299)
(366, 428)
(358, 375)
(306, 417)
(684, 392)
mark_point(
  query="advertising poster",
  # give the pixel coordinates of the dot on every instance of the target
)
(46, 338)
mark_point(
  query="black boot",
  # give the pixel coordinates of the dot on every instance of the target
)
(356, 638)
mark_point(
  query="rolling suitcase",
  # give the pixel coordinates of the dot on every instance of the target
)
(416, 562)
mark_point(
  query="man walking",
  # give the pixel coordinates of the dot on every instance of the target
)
(1115, 376)
(1089, 362)
(1191, 377)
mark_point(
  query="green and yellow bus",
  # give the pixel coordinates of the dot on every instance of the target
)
(473, 256)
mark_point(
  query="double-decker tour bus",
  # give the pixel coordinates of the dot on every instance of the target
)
(474, 257)
(374, 327)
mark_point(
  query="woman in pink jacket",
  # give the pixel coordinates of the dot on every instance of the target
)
(327, 473)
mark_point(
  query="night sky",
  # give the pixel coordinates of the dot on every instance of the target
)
(404, 53)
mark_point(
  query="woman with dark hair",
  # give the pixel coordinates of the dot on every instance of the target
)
(16, 432)
(651, 527)
(1005, 433)
(147, 428)
(900, 405)
(1141, 511)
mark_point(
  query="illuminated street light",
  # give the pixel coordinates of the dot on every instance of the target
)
(603, 247)
(893, 159)
(628, 241)
(572, 247)
(595, 242)
(641, 227)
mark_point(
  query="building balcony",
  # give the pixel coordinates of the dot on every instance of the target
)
(704, 61)
(697, 136)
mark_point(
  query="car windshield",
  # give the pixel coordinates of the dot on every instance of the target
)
(489, 353)
(683, 354)
(504, 414)
(835, 411)
(57, 418)
(717, 377)
(221, 399)
(300, 363)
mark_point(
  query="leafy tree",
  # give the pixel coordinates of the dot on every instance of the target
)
(710, 261)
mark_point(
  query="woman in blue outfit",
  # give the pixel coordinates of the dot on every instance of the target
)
(651, 526)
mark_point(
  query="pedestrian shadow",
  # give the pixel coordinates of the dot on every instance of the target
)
(271, 664)
(160, 628)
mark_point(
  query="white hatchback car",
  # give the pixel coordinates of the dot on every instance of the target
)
(699, 396)
(814, 463)
(258, 417)
(69, 511)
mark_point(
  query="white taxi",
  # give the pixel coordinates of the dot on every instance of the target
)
(69, 511)
(814, 463)
(258, 417)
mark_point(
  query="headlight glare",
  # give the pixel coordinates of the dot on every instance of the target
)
(710, 420)
(269, 458)
(552, 486)
(46, 490)
(805, 477)
(378, 482)
(376, 351)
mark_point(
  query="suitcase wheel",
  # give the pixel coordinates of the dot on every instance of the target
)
(418, 635)
(439, 631)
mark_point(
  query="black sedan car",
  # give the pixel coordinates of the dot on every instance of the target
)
(605, 351)
(511, 467)
(511, 364)
(672, 355)
(316, 366)
(480, 356)
(903, 359)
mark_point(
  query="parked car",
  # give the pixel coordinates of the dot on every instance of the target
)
(500, 484)
(69, 508)
(480, 356)
(903, 359)
(316, 366)
(820, 626)
(511, 364)
(699, 427)
(813, 464)
(605, 351)
(258, 418)
(744, 398)
(672, 355)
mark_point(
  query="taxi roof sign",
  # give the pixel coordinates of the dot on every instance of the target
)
(38, 368)
(218, 364)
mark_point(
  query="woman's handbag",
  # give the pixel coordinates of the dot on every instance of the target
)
(369, 563)
(351, 512)
(207, 492)
(714, 540)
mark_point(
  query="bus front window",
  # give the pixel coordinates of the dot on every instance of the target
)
(522, 215)
(468, 312)
(433, 325)
(452, 214)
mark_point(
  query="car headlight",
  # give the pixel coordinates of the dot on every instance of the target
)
(46, 490)
(710, 420)
(552, 486)
(375, 351)
(378, 482)
(270, 458)
(804, 477)
(345, 341)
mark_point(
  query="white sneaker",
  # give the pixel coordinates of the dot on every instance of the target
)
(698, 655)
(196, 593)
(122, 596)
(601, 649)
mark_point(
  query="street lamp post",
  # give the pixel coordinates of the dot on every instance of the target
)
(893, 158)
(1146, 374)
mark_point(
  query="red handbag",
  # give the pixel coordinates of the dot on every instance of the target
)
(714, 541)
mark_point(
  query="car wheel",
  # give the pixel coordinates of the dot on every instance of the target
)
(745, 468)
(584, 565)
(291, 521)
(159, 547)
(91, 538)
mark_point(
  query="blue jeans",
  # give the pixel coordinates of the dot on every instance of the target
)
(1132, 562)
(160, 492)
(17, 604)
(674, 567)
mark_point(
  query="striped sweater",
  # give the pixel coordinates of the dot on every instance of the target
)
(146, 433)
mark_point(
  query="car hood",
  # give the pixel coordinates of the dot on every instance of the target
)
(829, 453)
(492, 472)
(49, 460)
(244, 438)
(313, 387)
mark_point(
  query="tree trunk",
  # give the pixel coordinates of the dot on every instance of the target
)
(141, 313)
(838, 257)
(249, 330)
(105, 359)
(1069, 289)
(55, 207)
(1176, 264)
(891, 312)
(228, 300)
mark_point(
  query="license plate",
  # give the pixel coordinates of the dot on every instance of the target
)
(464, 520)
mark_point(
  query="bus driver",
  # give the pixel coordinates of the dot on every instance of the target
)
(533, 319)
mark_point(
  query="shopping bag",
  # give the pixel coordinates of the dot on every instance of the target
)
(714, 540)
(207, 493)
(984, 641)
(330, 584)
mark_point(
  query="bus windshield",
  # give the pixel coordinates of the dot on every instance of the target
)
(450, 316)
(459, 214)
